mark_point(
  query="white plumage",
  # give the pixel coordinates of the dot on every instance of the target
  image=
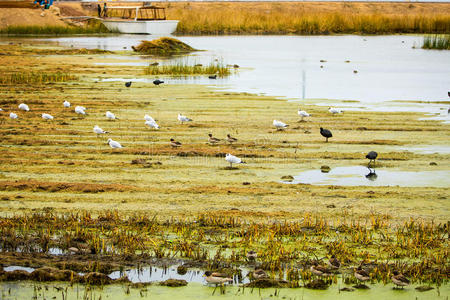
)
(303, 114)
(334, 110)
(1, 109)
(80, 110)
(110, 115)
(98, 130)
(279, 124)
(13, 116)
(47, 116)
(24, 107)
(149, 118)
(152, 124)
(66, 103)
(182, 118)
(233, 159)
(114, 144)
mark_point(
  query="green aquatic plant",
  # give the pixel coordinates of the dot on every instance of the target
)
(439, 42)
(183, 68)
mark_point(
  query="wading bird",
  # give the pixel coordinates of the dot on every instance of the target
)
(212, 76)
(114, 144)
(47, 116)
(216, 278)
(149, 118)
(24, 107)
(320, 270)
(231, 139)
(80, 110)
(111, 116)
(326, 133)
(13, 115)
(233, 160)
(334, 262)
(251, 255)
(361, 274)
(279, 125)
(334, 110)
(128, 84)
(302, 114)
(157, 82)
(399, 279)
(372, 155)
(213, 140)
(97, 130)
(183, 119)
(152, 124)
(259, 274)
(66, 104)
(174, 143)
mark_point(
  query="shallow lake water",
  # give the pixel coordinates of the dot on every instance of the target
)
(362, 176)
(388, 68)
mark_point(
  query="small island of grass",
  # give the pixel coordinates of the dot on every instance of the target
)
(163, 46)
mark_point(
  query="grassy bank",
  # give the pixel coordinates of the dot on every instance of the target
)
(309, 18)
(439, 42)
(91, 28)
(35, 77)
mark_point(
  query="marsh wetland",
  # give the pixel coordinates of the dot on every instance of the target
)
(80, 220)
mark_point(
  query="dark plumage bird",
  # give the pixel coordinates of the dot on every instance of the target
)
(259, 273)
(231, 139)
(361, 274)
(325, 133)
(174, 143)
(448, 94)
(400, 279)
(320, 270)
(128, 84)
(213, 140)
(157, 82)
(334, 262)
(212, 77)
(372, 155)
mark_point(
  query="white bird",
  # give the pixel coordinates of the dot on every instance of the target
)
(13, 116)
(152, 124)
(233, 160)
(148, 118)
(98, 130)
(1, 109)
(80, 110)
(303, 114)
(114, 144)
(66, 103)
(182, 118)
(24, 107)
(279, 125)
(334, 110)
(47, 116)
(111, 116)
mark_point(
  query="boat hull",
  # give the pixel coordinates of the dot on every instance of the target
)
(158, 27)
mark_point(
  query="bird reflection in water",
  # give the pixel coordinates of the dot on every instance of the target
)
(372, 176)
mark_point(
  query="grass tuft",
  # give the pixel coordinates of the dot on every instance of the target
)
(163, 46)
(35, 77)
(440, 42)
(93, 27)
(183, 68)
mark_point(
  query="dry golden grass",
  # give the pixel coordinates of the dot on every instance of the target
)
(310, 18)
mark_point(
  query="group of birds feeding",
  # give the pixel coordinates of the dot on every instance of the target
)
(151, 123)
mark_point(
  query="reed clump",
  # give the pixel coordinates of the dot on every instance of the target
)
(439, 42)
(163, 46)
(183, 68)
(35, 77)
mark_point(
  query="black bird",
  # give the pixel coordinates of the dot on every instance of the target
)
(372, 155)
(157, 82)
(128, 84)
(448, 94)
(212, 76)
(325, 133)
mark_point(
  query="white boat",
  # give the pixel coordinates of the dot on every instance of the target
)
(138, 19)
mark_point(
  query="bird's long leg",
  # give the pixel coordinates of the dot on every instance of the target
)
(214, 290)
(327, 140)
(231, 165)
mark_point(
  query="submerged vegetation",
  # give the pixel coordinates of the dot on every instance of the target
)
(182, 68)
(440, 42)
(163, 46)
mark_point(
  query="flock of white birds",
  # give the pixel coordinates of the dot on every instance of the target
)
(150, 122)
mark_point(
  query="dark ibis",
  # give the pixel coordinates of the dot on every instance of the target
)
(128, 84)
(372, 155)
(325, 133)
(212, 76)
(157, 82)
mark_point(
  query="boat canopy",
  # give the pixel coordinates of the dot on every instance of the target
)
(137, 12)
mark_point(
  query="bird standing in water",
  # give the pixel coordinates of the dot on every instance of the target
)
(128, 84)
(399, 279)
(372, 155)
